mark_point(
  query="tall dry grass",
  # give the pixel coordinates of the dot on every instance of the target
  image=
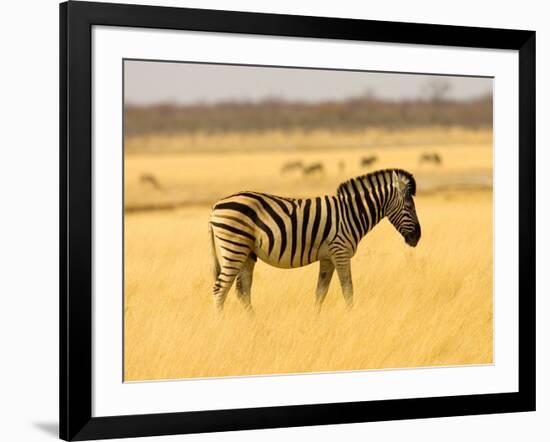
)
(427, 306)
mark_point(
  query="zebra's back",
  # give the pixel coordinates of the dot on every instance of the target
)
(283, 232)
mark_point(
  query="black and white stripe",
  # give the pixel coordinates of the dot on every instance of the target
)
(291, 232)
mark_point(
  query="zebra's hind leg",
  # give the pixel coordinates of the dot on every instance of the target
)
(326, 269)
(343, 269)
(228, 272)
(244, 282)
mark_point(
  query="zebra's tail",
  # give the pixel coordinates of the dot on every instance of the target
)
(216, 269)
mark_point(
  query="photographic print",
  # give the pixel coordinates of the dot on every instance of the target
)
(282, 220)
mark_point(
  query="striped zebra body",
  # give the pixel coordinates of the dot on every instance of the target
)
(283, 232)
(290, 233)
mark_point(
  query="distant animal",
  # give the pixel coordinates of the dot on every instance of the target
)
(150, 180)
(341, 166)
(290, 233)
(290, 166)
(314, 168)
(369, 161)
(430, 158)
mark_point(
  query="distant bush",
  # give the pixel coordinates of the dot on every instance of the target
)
(269, 114)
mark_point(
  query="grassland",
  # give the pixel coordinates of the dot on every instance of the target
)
(427, 306)
(214, 166)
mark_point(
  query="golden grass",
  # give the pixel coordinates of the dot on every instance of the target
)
(427, 306)
(204, 178)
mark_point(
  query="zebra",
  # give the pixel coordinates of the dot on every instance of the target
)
(430, 157)
(314, 168)
(368, 161)
(292, 165)
(151, 180)
(292, 232)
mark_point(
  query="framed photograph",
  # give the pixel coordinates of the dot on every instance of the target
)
(273, 220)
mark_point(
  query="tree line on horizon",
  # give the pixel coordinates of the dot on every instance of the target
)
(276, 114)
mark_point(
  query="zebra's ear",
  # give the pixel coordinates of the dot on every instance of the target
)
(398, 182)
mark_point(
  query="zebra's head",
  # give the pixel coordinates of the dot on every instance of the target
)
(401, 210)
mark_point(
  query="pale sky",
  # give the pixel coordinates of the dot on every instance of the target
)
(149, 82)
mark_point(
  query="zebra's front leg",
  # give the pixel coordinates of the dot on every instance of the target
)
(244, 283)
(326, 269)
(344, 274)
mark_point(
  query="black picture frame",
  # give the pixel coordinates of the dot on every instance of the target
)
(76, 21)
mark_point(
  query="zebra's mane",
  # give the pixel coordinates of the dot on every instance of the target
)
(411, 183)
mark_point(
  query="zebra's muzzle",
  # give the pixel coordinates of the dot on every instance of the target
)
(412, 238)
